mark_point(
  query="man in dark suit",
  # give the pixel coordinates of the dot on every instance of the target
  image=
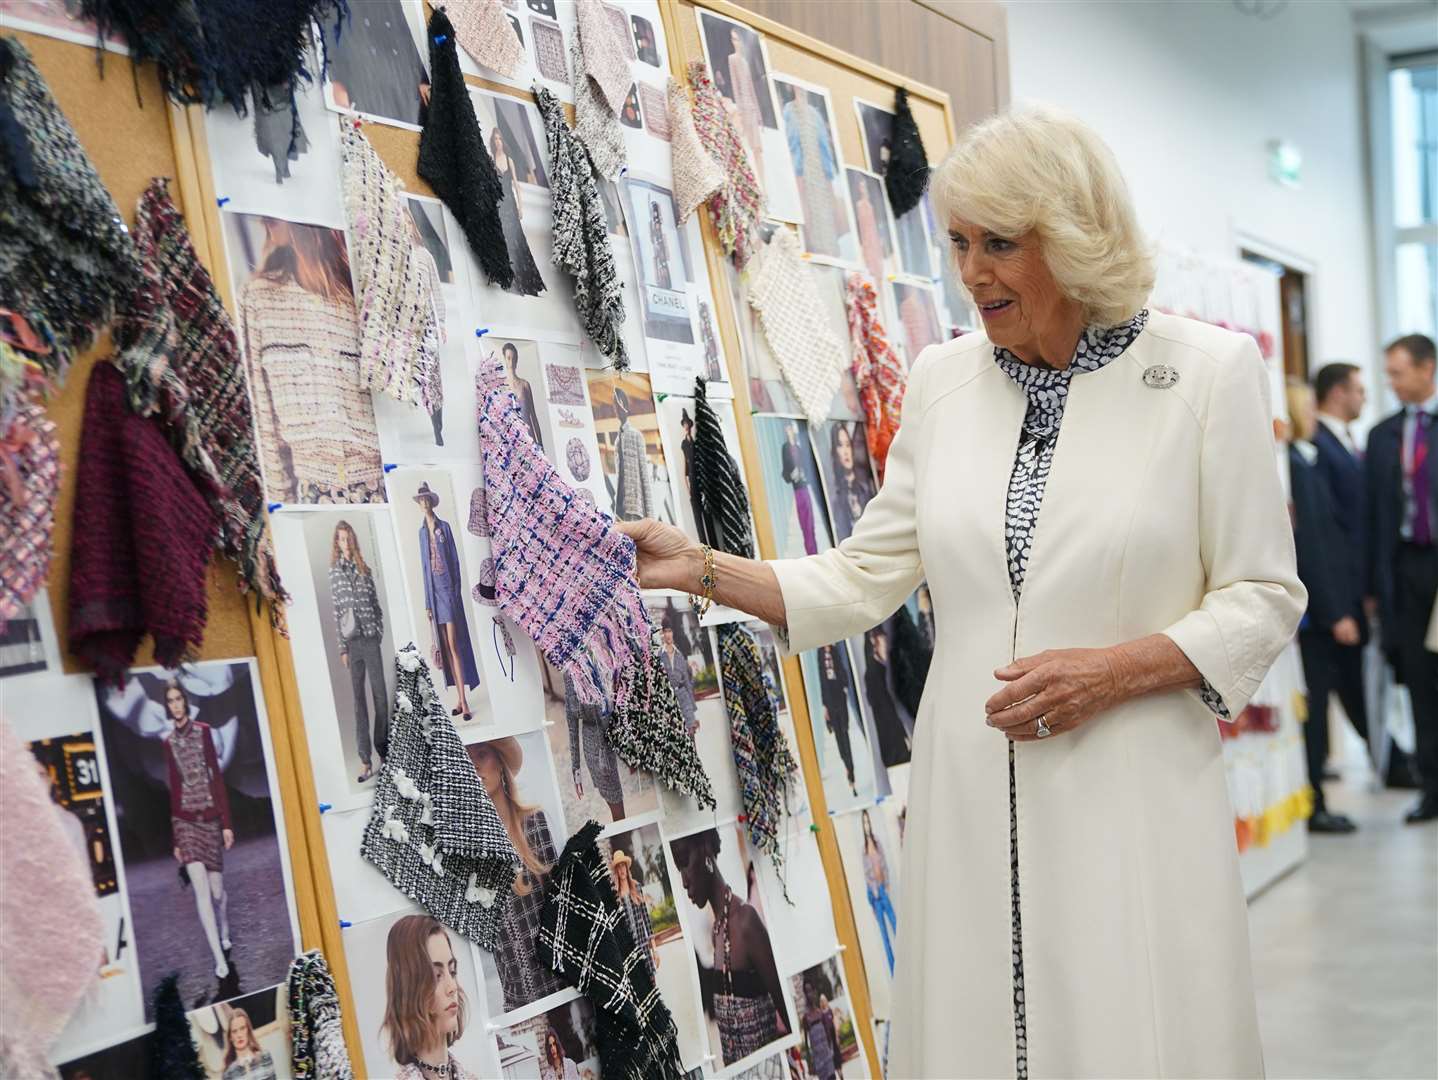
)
(1402, 466)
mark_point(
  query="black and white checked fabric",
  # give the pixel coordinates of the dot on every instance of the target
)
(647, 730)
(584, 936)
(717, 482)
(433, 831)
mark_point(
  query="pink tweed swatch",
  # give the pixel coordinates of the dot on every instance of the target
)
(737, 206)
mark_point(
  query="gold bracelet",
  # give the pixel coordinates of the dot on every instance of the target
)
(707, 582)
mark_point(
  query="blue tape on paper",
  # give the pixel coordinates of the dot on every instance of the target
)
(222, 201)
(272, 507)
(325, 806)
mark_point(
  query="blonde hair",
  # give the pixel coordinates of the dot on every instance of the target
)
(1037, 169)
(1302, 420)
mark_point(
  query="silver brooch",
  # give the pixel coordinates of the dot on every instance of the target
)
(1160, 376)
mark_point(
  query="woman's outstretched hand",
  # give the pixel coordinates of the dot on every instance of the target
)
(667, 558)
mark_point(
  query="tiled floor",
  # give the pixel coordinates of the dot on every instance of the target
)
(1345, 949)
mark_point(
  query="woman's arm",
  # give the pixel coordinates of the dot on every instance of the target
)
(821, 598)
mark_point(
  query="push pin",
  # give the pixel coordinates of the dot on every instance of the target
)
(441, 39)
(324, 806)
(222, 200)
(481, 331)
(345, 924)
(272, 507)
(390, 468)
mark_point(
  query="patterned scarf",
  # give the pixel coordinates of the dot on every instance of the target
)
(66, 257)
(581, 234)
(584, 936)
(908, 173)
(718, 486)
(782, 291)
(761, 755)
(697, 176)
(486, 34)
(738, 205)
(565, 573)
(139, 555)
(30, 469)
(317, 1040)
(399, 327)
(175, 345)
(878, 373)
(647, 730)
(433, 831)
(453, 158)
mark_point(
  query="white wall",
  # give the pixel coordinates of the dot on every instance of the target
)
(1188, 94)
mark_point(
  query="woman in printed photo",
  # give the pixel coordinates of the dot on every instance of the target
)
(820, 1034)
(853, 484)
(811, 149)
(527, 279)
(876, 880)
(893, 726)
(245, 1059)
(587, 723)
(523, 391)
(425, 1005)
(200, 826)
(522, 978)
(444, 602)
(741, 989)
(359, 632)
(743, 89)
(834, 682)
(561, 1065)
(634, 906)
(318, 440)
(797, 477)
(660, 246)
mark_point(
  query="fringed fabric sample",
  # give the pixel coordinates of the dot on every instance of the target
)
(736, 208)
(717, 482)
(399, 330)
(908, 172)
(878, 372)
(66, 258)
(176, 347)
(51, 929)
(172, 1048)
(29, 486)
(485, 32)
(584, 936)
(433, 830)
(605, 58)
(317, 1038)
(564, 573)
(453, 158)
(782, 291)
(581, 235)
(138, 563)
(596, 124)
(761, 755)
(697, 176)
(647, 730)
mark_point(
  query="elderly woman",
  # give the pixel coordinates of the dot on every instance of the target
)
(1071, 903)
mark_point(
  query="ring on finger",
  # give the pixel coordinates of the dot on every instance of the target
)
(1042, 730)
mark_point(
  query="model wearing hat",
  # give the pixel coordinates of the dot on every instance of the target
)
(522, 978)
(444, 601)
(634, 905)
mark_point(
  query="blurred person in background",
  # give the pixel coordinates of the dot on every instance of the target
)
(1334, 595)
(1402, 467)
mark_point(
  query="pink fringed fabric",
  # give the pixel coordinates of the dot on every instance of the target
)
(564, 573)
(878, 373)
(739, 203)
(51, 932)
(29, 485)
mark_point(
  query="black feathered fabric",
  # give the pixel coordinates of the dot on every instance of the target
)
(453, 158)
(172, 1049)
(720, 488)
(908, 172)
(912, 657)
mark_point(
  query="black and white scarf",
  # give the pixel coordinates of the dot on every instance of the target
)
(717, 483)
(584, 937)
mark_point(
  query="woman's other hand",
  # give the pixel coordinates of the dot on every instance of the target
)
(229, 838)
(667, 558)
(1067, 687)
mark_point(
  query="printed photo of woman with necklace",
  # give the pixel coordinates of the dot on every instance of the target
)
(425, 1005)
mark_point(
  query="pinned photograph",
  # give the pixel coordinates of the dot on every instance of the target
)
(849, 482)
(828, 1034)
(519, 776)
(245, 1038)
(792, 487)
(918, 315)
(828, 227)
(877, 250)
(745, 1002)
(414, 993)
(740, 68)
(201, 829)
(122, 1061)
(841, 740)
(892, 723)
(870, 855)
(27, 641)
(557, 1045)
(514, 135)
(375, 64)
(631, 453)
(677, 427)
(441, 586)
(663, 258)
(300, 334)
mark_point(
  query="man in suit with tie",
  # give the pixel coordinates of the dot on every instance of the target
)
(1333, 653)
(1402, 465)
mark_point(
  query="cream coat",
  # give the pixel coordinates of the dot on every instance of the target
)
(1163, 512)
